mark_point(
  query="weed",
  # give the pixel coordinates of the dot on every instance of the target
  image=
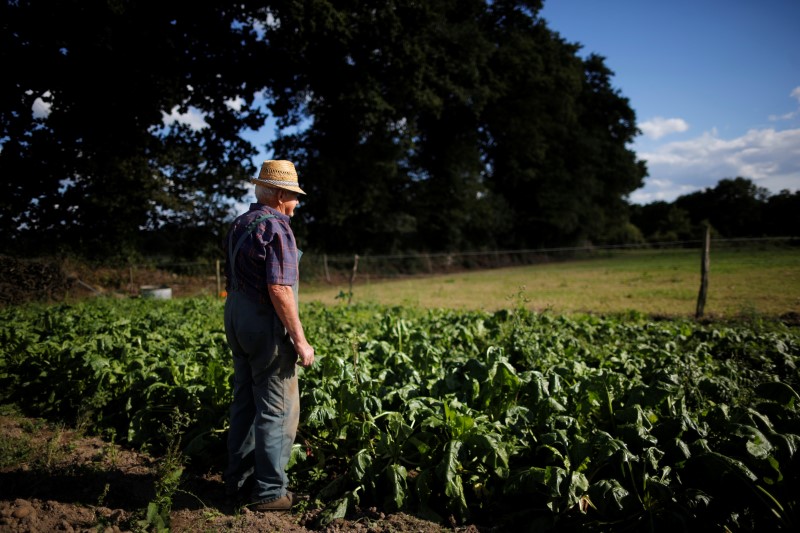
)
(32, 425)
(168, 477)
(110, 449)
(10, 409)
(520, 298)
(54, 451)
(14, 450)
(210, 514)
(345, 295)
(101, 500)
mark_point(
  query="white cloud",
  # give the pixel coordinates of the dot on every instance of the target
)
(665, 190)
(40, 108)
(789, 116)
(235, 103)
(658, 127)
(193, 118)
(786, 116)
(768, 157)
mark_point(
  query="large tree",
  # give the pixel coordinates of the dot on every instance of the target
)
(444, 125)
(391, 156)
(87, 161)
(435, 125)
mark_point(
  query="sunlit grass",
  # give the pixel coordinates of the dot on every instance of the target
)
(741, 282)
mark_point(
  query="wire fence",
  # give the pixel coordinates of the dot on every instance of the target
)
(334, 268)
(337, 268)
(23, 280)
(26, 279)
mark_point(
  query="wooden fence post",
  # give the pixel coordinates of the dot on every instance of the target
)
(325, 265)
(219, 282)
(352, 278)
(701, 298)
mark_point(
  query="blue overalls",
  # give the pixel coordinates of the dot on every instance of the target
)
(265, 410)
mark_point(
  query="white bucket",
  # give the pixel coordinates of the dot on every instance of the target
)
(156, 292)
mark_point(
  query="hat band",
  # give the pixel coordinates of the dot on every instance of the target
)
(279, 183)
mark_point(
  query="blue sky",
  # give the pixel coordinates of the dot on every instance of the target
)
(715, 85)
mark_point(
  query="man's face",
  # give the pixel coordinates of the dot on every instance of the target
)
(290, 202)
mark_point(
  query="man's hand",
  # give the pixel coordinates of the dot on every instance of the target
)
(283, 301)
(305, 354)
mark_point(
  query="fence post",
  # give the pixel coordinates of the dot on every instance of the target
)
(219, 282)
(325, 266)
(352, 278)
(704, 264)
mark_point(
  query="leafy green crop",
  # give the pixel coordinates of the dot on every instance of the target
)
(122, 364)
(509, 418)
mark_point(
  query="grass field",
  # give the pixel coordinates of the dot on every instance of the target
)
(742, 282)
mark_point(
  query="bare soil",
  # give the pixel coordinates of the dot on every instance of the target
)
(54, 478)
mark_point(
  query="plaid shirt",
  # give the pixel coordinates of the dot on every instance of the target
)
(267, 256)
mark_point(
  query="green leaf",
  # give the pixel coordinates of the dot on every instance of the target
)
(396, 479)
(578, 486)
(489, 450)
(550, 481)
(448, 471)
(338, 509)
(334, 488)
(552, 456)
(786, 445)
(779, 392)
(297, 455)
(680, 449)
(608, 495)
(756, 444)
(773, 463)
(730, 464)
(359, 465)
(459, 424)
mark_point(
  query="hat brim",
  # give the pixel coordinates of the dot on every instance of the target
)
(277, 184)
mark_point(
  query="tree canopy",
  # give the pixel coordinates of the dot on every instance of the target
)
(101, 167)
(415, 125)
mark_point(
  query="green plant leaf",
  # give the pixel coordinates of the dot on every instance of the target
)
(398, 487)
(448, 471)
(780, 392)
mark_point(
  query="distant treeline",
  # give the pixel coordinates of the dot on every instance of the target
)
(733, 208)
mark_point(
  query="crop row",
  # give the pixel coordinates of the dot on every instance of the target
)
(581, 423)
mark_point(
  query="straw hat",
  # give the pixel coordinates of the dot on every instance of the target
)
(280, 174)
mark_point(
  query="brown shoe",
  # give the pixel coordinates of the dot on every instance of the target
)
(284, 503)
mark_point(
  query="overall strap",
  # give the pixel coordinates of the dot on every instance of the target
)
(232, 252)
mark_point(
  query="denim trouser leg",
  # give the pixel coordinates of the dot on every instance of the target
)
(266, 403)
(241, 441)
(277, 415)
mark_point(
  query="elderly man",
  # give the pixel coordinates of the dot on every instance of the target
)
(266, 336)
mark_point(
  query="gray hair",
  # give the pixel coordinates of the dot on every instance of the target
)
(264, 194)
